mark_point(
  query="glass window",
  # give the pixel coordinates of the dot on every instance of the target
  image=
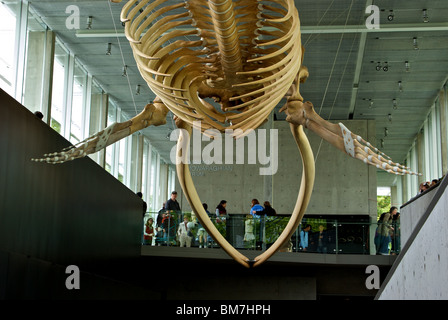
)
(59, 90)
(110, 150)
(78, 104)
(153, 182)
(122, 144)
(8, 31)
(36, 55)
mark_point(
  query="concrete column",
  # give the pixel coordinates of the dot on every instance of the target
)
(33, 79)
(136, 159)
(394, 197)
(420, 156)
(443, 98)
(47, 90)
(139, 162)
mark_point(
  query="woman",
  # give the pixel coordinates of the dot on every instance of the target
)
(268, 210)
(255, 207)
(384, 230)
(221, 211)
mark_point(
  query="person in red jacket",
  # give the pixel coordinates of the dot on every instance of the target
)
(149, 232)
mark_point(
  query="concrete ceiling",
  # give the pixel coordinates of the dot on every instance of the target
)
(341, 54)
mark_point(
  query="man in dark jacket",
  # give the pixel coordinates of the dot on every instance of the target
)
(172, 204)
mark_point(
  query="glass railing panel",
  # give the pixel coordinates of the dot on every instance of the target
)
(259, 233)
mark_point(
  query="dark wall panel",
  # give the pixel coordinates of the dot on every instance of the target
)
(71, 213)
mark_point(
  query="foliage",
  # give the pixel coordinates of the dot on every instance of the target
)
(383, 204)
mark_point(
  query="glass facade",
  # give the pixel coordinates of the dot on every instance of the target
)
(42, 74)
(428, 154)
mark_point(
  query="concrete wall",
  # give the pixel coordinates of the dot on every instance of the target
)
(410, 214)
(343, 185)
(420, 273)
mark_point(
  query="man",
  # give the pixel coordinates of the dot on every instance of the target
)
(172, 204)
(304, 237)
(144, 205)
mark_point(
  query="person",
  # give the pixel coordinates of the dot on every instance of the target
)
(209, 239)
(396, 234)
(205, 206)
(434, 182)
(255, 207)
(159, 226)
(184, 233)
(202, 236)
(39, 115)
(384, 231)
(168, 227)
(321, 240)
(304, 237)
(161, 232)
(268, 210)
(171, 204)
(149, 232)
(423, 187)
(144, 205)
(221, 211)
(249, 230)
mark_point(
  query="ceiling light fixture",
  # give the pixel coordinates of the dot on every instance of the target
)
(425, 15)
(386, 132)
(395, 104)
(137, 90)
(407, 66)
(125, 71)
(386, 67)
(109, 49)
(378, 66)
(89, 22)
(382, 143)
(389, 117)
(400, 86)
(390, 17)
(415, 43)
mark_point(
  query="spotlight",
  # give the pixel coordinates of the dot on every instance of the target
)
(390, 17)
(389, 116)
(415, 43)
(378, 66)
(395, 104)
(425, 15)
(109, 49)
(382, 143)
(386, 67)
(400, 86)
(137, 90)
(125, 71)
(407, 66)
(386, 132)
(89, 22)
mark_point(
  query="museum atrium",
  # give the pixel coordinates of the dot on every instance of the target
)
(380, 68)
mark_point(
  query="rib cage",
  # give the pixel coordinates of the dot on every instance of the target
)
(243, 54)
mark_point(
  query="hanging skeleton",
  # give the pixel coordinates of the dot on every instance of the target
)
(246, 55)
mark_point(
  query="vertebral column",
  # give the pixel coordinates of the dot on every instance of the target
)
(223, 15)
